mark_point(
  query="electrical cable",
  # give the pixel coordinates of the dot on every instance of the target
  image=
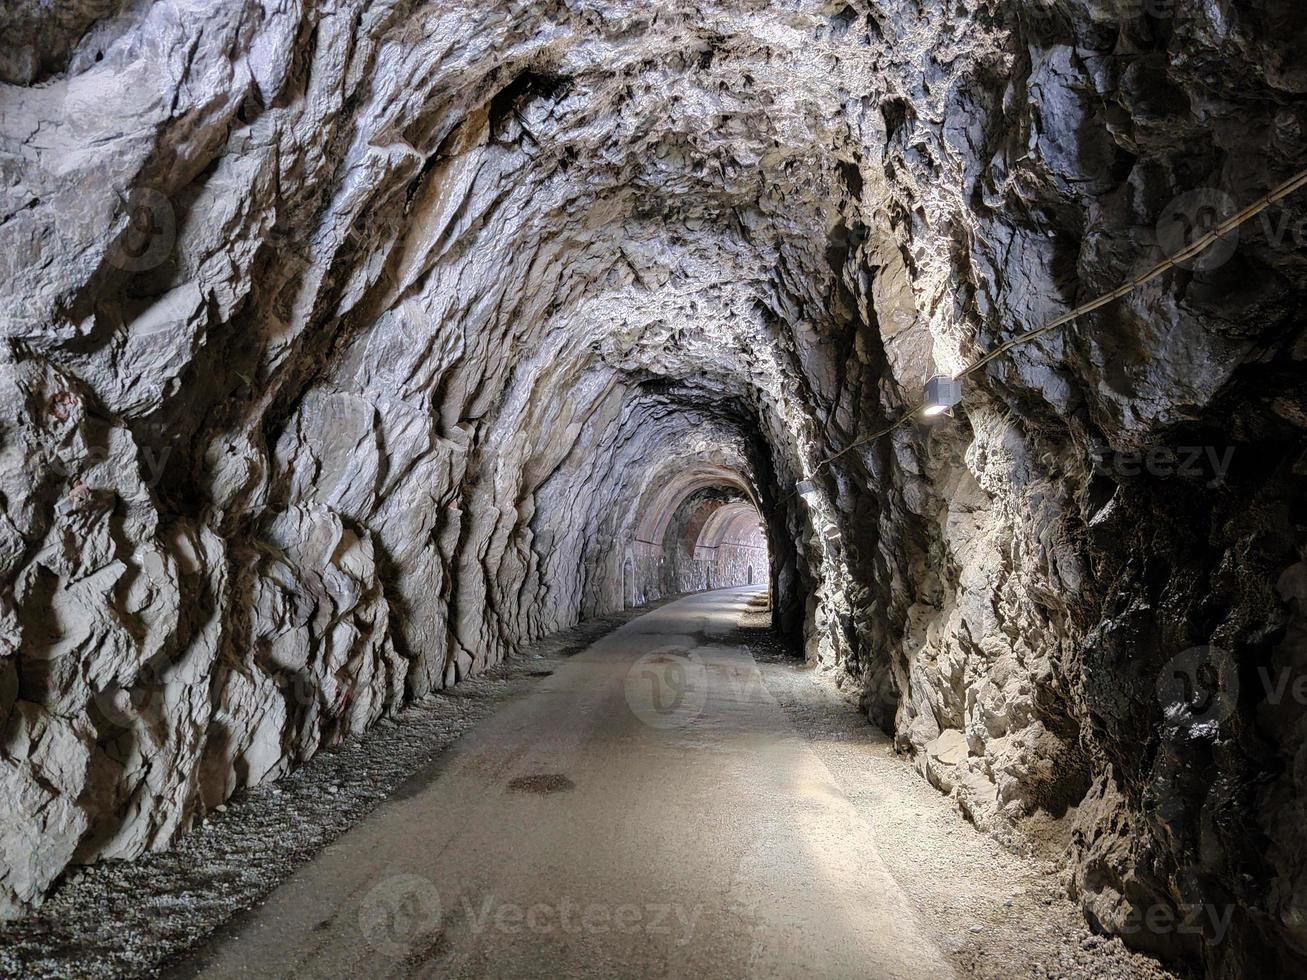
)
(1197, 248)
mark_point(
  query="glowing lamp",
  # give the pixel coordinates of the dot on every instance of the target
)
(942, 393)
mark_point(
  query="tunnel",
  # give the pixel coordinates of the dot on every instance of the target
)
(678, 487)
(699, 529)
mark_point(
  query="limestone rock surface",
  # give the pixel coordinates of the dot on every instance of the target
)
(350, 346)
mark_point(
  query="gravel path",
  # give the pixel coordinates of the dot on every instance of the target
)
(130, 919)
(639, 786)
(997, 915)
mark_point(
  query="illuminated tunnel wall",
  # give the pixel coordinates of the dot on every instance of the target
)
(701, 529)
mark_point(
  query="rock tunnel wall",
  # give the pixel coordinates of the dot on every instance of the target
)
(347, 348)
(736, 565)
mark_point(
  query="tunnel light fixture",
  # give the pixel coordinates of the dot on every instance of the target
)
(942, 393)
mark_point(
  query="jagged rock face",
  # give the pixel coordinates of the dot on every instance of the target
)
(351, 347)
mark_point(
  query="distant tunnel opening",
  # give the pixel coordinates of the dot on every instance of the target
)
(729, 542)
(699, 530)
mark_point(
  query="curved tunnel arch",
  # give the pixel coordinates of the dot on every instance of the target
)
(697, 526)
(736, 523)
(660, 508)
